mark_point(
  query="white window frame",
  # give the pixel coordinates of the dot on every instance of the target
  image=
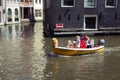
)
(38, 1)
(95, 23)
(62, 4)
(86, 6)
(38, 13)
(111, 6)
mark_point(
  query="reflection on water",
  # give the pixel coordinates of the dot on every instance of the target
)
(74, 68)
(98, 66)
(23, 50)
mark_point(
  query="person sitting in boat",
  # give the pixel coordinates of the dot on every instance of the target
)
(92, 43)
(77, 41)
(74, 44)
(55, 42)
(87, 40)
(70, 44)
(83, 43)
(101, 42)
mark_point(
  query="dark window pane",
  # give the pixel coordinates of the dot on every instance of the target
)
(111, 3)
(69, 2)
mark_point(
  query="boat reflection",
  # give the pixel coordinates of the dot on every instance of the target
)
(74, 68)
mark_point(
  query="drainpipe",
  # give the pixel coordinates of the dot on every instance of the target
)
(4, 11)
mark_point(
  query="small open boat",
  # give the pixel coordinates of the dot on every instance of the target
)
(76, 51)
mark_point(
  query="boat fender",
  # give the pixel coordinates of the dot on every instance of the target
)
(101, 42)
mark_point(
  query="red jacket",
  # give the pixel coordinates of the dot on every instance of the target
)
(83, 44)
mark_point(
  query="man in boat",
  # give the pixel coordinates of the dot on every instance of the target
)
(101, 42)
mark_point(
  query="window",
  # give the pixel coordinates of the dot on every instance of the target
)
(22, 0)
(68, 3)
(9, 15)
(30, 1)
(35, 1)
(16, 0)
(39, 1)
(111, 3)
(26, 1)
(90, 3)
(90, 22)
(16, 15)
(38, 13)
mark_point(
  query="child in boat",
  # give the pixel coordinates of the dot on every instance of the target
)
(70, 44)
(74, 44)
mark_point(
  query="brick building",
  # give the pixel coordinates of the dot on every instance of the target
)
(81, 16)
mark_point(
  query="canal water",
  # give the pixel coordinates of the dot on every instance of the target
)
(24, 50)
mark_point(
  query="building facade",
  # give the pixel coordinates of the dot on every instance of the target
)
(26, 10)
(38, 9)
(16, 11)
(1, 12)
(82, 15)
(12, 11)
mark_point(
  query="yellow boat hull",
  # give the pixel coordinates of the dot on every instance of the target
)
(76, 51)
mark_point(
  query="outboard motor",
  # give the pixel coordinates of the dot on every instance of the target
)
(101, 42)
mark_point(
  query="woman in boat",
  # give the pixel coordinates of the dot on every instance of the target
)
(83, 43)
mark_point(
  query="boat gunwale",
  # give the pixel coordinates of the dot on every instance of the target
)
(84, 49)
